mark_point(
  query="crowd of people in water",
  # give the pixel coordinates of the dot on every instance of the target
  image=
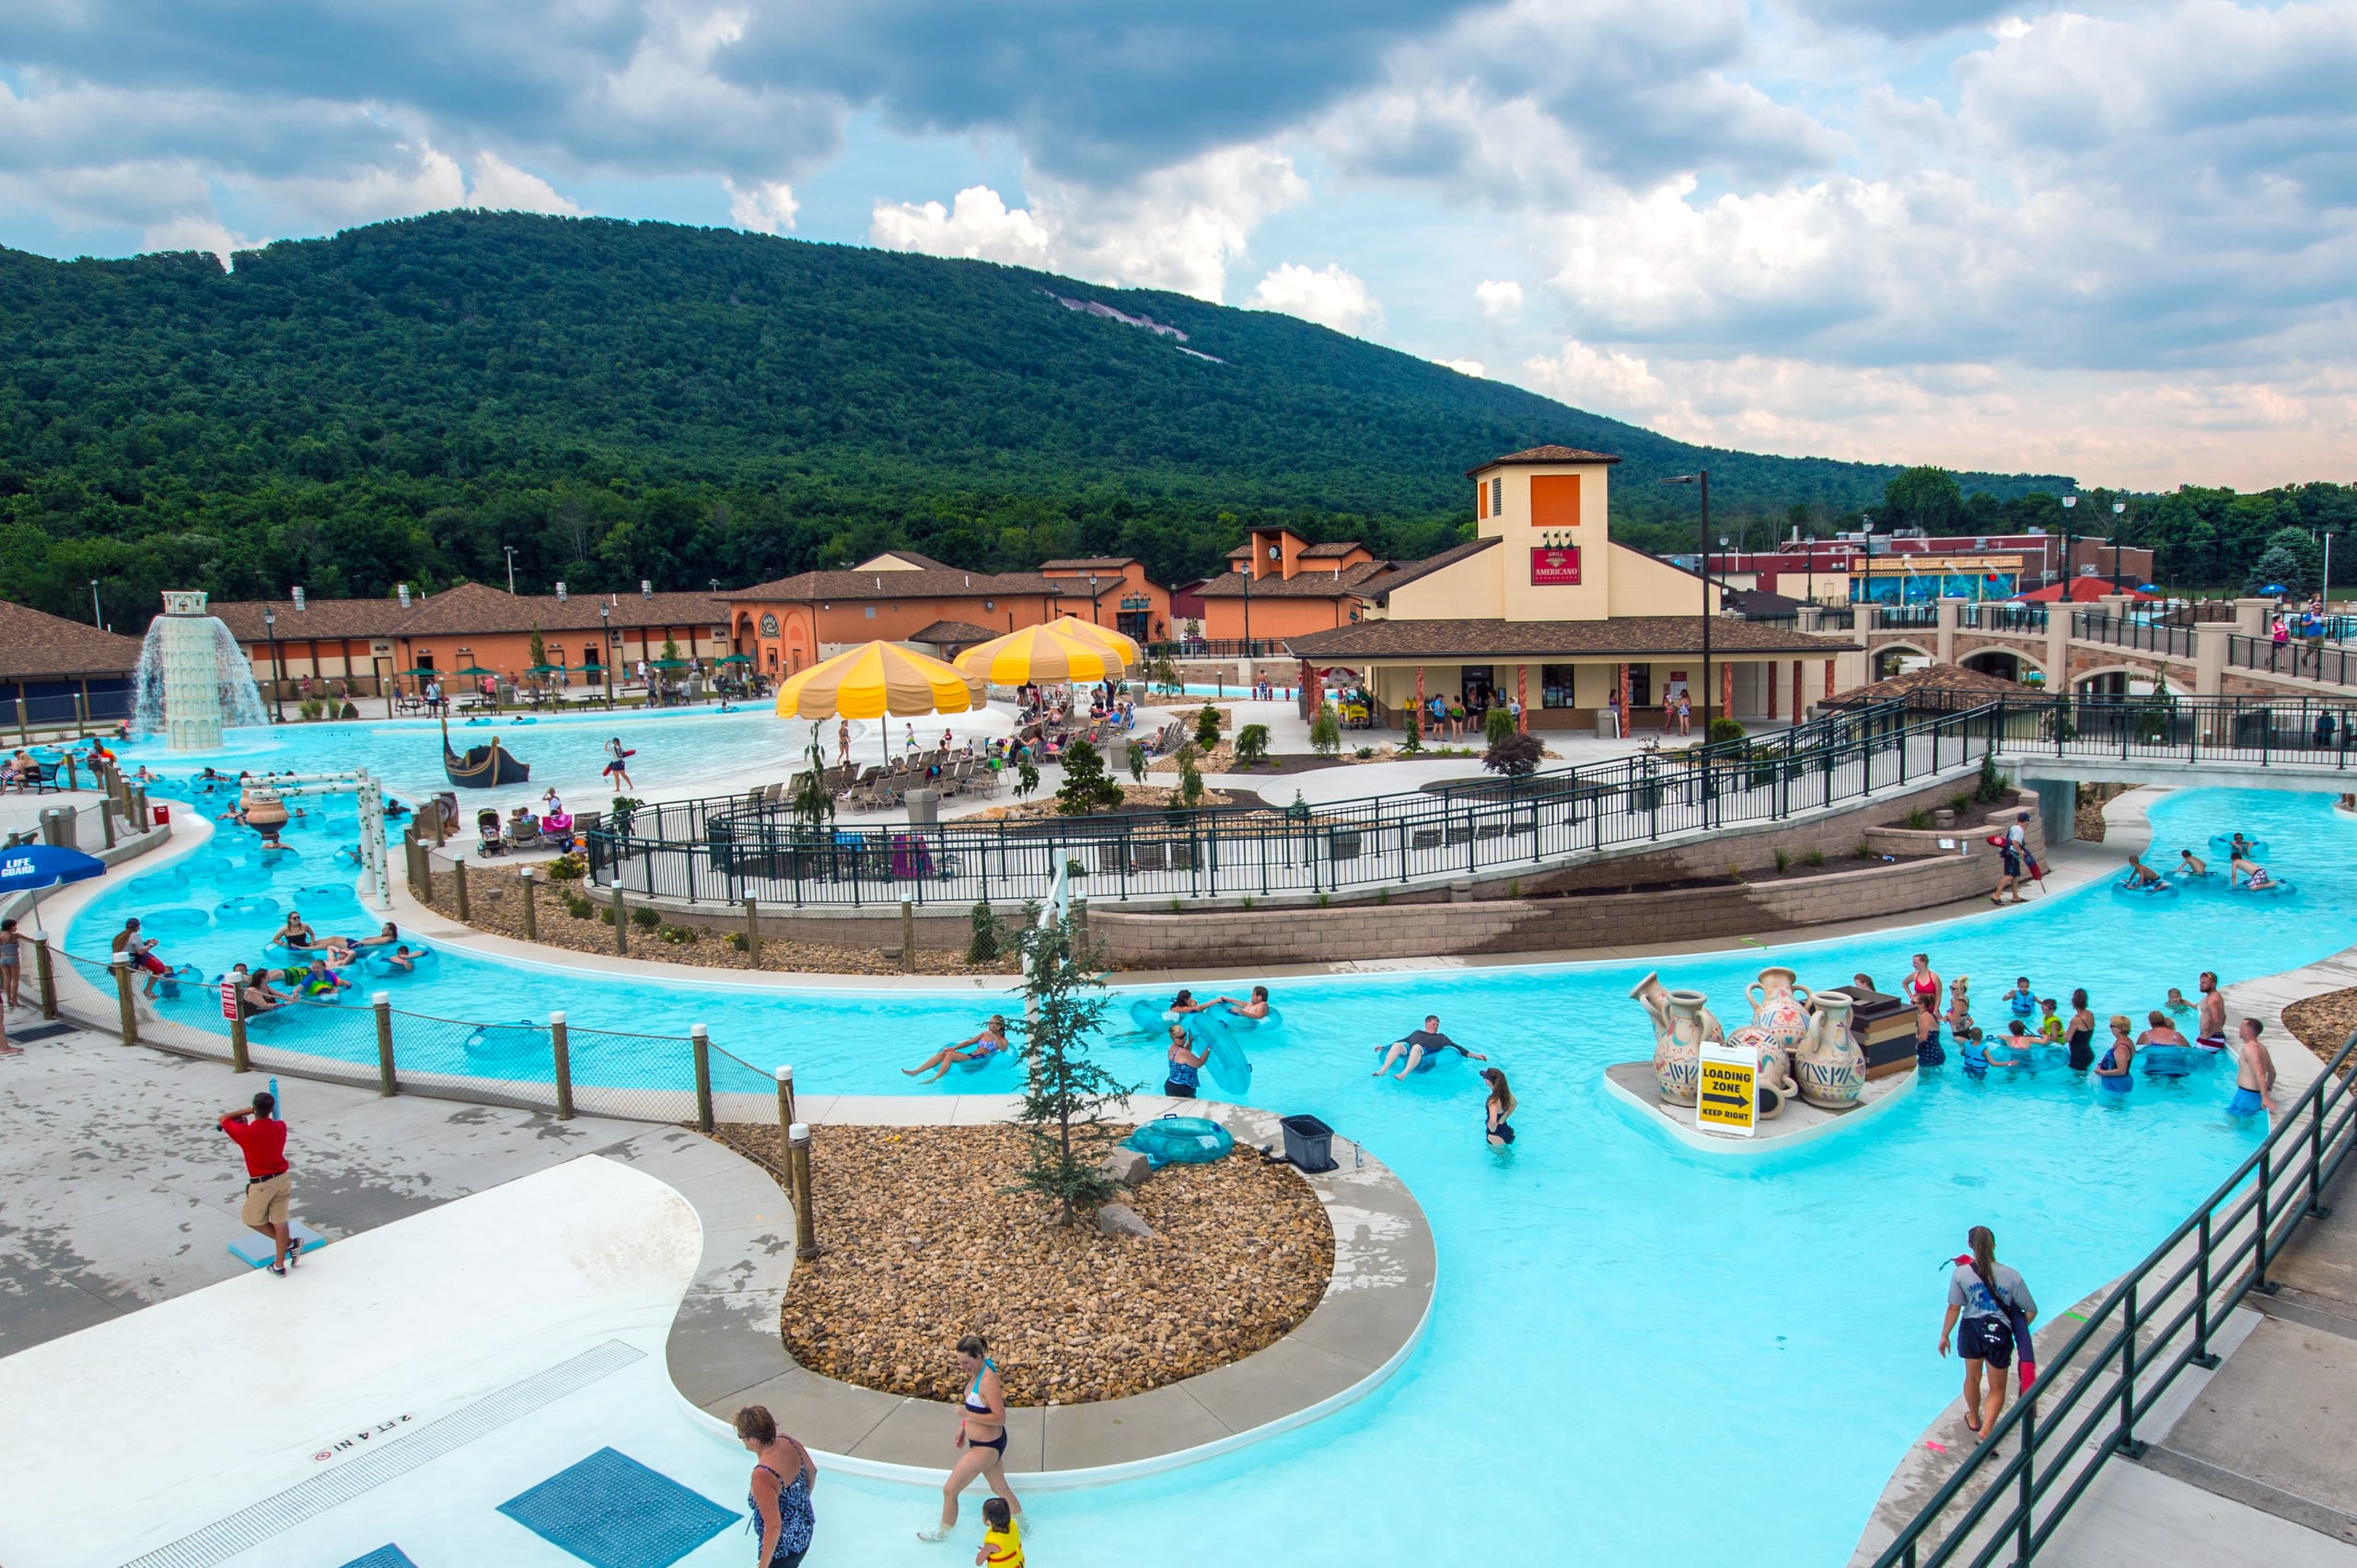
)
(312, 967)
(2243, 869)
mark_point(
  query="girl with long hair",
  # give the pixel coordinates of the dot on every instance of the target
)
(1496, 1109)
(1985, 1295)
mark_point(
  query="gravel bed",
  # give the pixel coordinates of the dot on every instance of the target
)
(2324, 1023)
(922, 1244)
(496, 903)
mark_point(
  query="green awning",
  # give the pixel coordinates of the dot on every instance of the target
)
(546, 669)
(737, 658)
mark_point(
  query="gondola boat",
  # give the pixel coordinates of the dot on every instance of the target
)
(482, 767)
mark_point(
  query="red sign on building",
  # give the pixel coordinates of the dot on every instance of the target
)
(1554, 567)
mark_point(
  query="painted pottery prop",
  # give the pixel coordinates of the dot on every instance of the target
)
(1682, 1021)
(1829, 1065)
(1780, 1006)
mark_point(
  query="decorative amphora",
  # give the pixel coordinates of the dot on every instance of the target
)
(1829, 1067)
(1682, 1021)
(1779, 1006)
(1776, 1086)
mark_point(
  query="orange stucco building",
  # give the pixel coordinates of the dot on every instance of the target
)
(1283, 585)
(1120, 596)
(795, 622)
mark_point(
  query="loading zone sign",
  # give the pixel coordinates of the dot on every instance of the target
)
(1728, 1092)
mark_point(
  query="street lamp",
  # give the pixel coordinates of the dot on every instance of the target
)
(511, 567)
(606, 638)
(277, 680)
(1092, 598)
(2069, 570)
(2119, 512)
(98, 617)
(1702, 478)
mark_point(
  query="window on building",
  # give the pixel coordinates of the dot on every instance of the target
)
(871, 613)
(1498, 497)
(1557, 686)
(1481, 499)
(1641, 686)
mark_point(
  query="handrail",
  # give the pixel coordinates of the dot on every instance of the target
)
(2298, 658)
(2118, 1373)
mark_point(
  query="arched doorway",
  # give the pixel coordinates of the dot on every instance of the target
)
(2004, 664)
(1897, 658)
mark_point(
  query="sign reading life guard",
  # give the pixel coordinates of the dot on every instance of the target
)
(1554, 566)
(229, 1000)
(1727, 1097)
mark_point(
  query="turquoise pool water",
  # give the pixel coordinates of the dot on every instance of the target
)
(1624, 1328)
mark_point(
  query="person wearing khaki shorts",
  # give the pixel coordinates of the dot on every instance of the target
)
(269, 1186)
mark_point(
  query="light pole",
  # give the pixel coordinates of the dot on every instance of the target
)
(511, 567)
(1092, 598)
(2119, 516)
(606, 650)
(1252, 563)
(98, 617)
(1702, 478)
(277, 682)
(2070, 504)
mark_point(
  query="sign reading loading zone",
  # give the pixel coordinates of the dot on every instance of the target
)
(1729, 1089)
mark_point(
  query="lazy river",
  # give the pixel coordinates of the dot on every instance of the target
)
(1637, 1352)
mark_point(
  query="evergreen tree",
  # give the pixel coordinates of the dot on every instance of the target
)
(1066, 1092)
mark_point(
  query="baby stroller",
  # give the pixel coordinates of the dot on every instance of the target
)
(494, 836)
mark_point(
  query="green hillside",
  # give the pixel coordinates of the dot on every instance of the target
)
(621, 401)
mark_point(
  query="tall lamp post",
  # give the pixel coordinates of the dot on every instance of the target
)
(2069, 571)
(2119, 522)
(97, 616)
(511, 566)
(606, 632)
(277, 680)
(1702, 478)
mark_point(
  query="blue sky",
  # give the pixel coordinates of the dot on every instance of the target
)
(2113, 240)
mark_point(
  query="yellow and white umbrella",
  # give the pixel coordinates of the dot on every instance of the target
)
(1041, 654)
(1119, 642)
(874, 679)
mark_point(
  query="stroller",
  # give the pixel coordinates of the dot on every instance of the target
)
(494, 836)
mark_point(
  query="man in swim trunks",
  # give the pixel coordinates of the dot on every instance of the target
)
(2244, 866)
(2191, 865)
(1426, 1041)
(2141, 875)
(2254, 1072)
(140, 953)
(2211, 1026)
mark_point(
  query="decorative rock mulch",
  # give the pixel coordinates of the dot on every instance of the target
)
(2324, 1023)
(496, 903)
(922, 1244)
(1134, 796)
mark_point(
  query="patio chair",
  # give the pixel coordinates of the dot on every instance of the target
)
(1149, 856)
(1108, 856)
(777, 793)
(1424, 839)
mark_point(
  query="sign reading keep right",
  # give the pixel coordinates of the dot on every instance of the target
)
(1727, 1098)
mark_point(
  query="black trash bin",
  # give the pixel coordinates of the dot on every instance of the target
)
(1309, 1143)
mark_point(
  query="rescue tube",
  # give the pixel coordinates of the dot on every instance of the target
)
(245, 907)
(1180, 1140)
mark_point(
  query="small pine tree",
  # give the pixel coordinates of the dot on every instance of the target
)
(1085, 787)
(1497, 725)
(1326, 731)
(1137, 762)
(812, 806)
(1191, 783)
(1207, 727)
(1414, 742)
(983, 947)
(537, 647)
(1066, 1093)
(1027, 778)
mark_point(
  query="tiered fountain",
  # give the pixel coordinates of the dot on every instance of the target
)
(193, 680)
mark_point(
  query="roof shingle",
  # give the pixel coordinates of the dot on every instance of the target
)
(1544, 455)
(34, 644)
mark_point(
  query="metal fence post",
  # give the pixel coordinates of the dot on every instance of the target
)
(621, 919)
(700, 1044)
(124, 1007)
(2126, 1444)
(806, 1225)
(458, 895)
(753, 932)
(908, 935)
(531, 905)
(2201, 1356)
(786, 1125)
(381, 1004)
(240, 1061)
(560, 1055)
(47, 975)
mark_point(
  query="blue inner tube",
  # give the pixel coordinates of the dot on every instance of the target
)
(1215, 1036)
(1239, 1024)
(2276, 888)
(245, 906)
(379, 961)
(2222, 845)
(1180, 1140)
(1432, 1057)
(985, 1063)
(175, 920)
(2149, 890)
(503, 1039)
(2165, 1061)
(328, 893)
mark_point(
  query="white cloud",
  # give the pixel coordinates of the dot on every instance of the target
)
(765, 206)
(1465, 367)
(502, 187)
(196, 234)
(1500, 301)
(1330, 296)
(979, 224)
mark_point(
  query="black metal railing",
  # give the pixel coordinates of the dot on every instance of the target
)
(1842, 620)
(2301, 734)
(1906, 616)
(1217, 647)
(2095, 626)
(2020, 619)
(2302, 660)
(729, 850)
(2012, 1493)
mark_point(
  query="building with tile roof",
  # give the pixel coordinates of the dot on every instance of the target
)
(55, 671)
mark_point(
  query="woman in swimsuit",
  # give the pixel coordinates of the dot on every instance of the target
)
(12, 968)
(2082, 1028)
(2113, 1071)
(779, 1494)
(1186, 1065)
(993, 1039)
(1254, 1006)
(1496, 1109)
(981, 1435)
(1923, 989)
(295, 934)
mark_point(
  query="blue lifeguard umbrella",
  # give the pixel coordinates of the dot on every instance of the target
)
(44, 865)
(2272, 588)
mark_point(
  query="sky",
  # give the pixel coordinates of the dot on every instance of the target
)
(2116, 240)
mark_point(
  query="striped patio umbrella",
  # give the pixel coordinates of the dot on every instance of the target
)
(1119, 642)
(874, 679)
(1042, 653)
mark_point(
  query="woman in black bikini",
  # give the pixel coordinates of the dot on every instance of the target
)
(1924, 989)
(779, 1494)
(2082, 1032)
(1496, 1109)
(982, 1436)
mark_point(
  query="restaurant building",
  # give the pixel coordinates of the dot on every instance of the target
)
(1543, 606)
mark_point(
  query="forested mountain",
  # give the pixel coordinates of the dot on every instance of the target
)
(619, 401)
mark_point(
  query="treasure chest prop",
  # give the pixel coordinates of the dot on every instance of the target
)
(1885, 1030)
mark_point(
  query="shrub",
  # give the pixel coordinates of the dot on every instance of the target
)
(1414, 742)
(566, 869)
(1783, 862)
(1497, 725)
(311, 708)
(1815, 857)
(1724, 730)
(1961, 804)
(1191, 783)
(736, 940)
(578, 906)
(348, 711)
(1207, 727)
(605, 915)
(1137, 761)
(1919, 819)
(1074, 869)
(983, 947)
(645, 919)
(677, 934)
(1994, 787)
(1085, 787)
(1027, 778)
(1326, 732)
(1862, 850)
(1517, 756)
(1252, 744)
(1364, 753)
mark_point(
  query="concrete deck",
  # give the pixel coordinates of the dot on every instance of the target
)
(1633, 1085)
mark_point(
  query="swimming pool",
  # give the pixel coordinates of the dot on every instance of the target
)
(1622, 1327)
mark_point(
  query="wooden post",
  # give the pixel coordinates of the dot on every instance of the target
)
(908, 935)
(700, 1044)
(128, 1009)
(806, 1229)
(752, 933)
(621, 922)
(47, 976)
(106, 818)
(238, 1060)
(383, 1005)
(786, 1125)
(73, 778)
(561, 1048)
(458, 893)
(531, 905)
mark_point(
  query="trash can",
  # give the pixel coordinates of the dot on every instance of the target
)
(924, 807)
(1309, 1143)
(59, 826)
